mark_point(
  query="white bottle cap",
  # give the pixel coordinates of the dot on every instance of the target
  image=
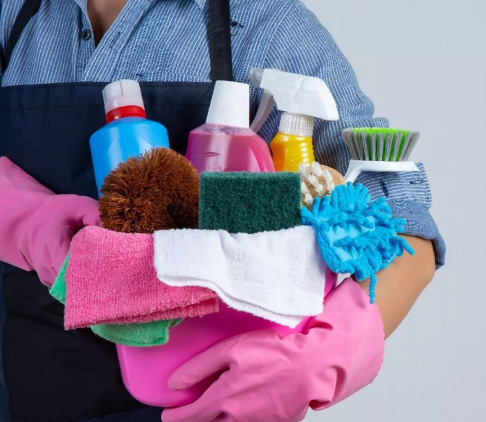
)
(297, 124)
(121, 94)
(230, 105)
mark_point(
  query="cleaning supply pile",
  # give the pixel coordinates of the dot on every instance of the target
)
(234, 237)
(109, 281)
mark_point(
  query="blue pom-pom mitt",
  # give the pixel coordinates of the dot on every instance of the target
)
(354, 235)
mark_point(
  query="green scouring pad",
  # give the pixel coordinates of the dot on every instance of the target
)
(243, 202)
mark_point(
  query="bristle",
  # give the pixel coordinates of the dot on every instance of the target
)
(350, 138)
(304, 170)
(404, 145)
(391, 142)
(397, 143)
(307, 198)
(373, 146)
(388, 147)
(361, 139)
(328, 178)
(366, 144)
(380, 144)
(362, 146)
(316, 168)
(376, 144)
(304, 188)
(314, 181)
(317, 181)
(413, 142)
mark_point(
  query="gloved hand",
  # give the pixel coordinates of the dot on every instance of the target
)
(269, 378)
(36, 226)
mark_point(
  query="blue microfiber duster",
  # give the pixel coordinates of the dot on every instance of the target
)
(354, 235)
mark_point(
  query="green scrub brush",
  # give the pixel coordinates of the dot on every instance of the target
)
(379, 150)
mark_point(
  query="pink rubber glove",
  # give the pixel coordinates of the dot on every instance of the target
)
(274, 379)
(36, 226)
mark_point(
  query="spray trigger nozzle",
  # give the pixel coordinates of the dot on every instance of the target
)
(292, 93)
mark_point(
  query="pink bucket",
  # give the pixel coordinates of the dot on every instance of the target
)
(145, 371)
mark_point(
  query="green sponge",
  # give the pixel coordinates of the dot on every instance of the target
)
(242, 202)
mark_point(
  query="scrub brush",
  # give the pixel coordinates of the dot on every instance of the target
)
(379, 149)
(317, 181)
(155, 191)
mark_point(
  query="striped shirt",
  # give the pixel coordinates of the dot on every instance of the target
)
(165, 40)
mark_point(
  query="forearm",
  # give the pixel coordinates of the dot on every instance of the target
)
(400, 285)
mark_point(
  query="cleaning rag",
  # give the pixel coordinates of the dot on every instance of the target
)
(147, 334)
(111, 279)
(279, 275)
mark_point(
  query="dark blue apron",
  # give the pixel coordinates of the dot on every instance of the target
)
(52, 375)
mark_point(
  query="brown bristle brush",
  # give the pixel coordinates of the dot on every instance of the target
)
(158, 190)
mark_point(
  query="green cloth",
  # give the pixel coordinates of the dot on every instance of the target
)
(242, 202)
(137, 335)
(58, 289)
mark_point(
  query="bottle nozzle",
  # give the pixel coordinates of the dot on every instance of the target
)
(293, 93)
(123, 99)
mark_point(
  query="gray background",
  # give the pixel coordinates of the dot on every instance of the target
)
(423, 63)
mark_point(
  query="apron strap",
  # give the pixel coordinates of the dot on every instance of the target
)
(219, 35)
(28, 10)
(219, 31)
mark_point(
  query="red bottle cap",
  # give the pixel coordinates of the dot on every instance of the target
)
(123, 99)
(127, 111)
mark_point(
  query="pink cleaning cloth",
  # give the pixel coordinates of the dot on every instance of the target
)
(111, 279)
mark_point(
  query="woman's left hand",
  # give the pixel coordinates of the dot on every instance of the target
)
(270, 378)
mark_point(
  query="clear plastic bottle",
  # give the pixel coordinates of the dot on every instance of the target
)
(226, 142)
(128, 133)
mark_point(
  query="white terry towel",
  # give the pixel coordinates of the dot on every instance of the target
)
(279, 276)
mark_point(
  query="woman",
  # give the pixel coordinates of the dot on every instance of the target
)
(57, 56)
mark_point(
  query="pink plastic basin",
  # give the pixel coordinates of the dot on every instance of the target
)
(145, 371)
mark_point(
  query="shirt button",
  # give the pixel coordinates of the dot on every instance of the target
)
(86, 35)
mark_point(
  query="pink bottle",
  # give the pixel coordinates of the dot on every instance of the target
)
(223, 144)
(226, 142)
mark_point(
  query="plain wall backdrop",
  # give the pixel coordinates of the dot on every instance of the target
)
(423, 63)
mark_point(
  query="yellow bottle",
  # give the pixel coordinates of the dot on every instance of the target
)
(293, 144)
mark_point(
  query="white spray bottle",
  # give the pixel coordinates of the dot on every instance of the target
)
(301, 98)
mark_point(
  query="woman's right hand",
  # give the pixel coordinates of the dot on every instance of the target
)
(36, 225)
